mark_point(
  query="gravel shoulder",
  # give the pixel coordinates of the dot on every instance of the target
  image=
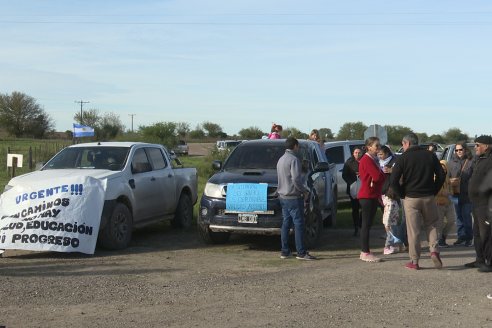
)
(170, 278)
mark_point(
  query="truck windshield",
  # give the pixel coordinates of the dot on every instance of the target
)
(255, 157)
(108, 158)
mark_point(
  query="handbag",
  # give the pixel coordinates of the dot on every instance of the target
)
(456, 182)
(455, 185)
(354, 188)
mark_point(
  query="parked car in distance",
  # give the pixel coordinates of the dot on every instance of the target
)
(255, 162)
(425, 145)
(227, 144)
(181, 148)
(142, 185)
(448, 152)
(338, 152)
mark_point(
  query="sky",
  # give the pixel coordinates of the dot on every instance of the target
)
(304, 64)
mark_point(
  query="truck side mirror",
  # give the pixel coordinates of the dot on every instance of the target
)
(217, 165)
(322, 167)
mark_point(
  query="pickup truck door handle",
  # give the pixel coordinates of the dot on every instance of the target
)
(169, 175)
(152, 179)
(131, 182)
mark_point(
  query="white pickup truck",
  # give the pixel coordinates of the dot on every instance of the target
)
(142, 186)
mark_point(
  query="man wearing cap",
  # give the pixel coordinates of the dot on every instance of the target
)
(479, 195)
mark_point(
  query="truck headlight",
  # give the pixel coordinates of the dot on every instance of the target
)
(212, 190)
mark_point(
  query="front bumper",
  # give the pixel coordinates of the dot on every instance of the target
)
(212, 213)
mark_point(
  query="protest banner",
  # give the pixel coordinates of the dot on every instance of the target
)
(246, 197)
(61, 215)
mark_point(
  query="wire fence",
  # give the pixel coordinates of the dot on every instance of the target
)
(34, 155)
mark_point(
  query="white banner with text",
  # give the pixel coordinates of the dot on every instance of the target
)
(61, 215)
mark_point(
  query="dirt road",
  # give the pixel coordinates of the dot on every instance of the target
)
(168, 278)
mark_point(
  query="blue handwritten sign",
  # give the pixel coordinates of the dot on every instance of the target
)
(246, 197)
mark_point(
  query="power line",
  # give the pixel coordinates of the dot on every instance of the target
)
(81, 102)
(132, 119)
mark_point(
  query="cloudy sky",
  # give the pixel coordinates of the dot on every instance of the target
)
(305, 64)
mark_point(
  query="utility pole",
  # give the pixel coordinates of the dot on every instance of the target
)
(132, 119)
(81, 102)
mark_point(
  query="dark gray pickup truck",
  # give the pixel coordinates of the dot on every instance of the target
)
(254, 162)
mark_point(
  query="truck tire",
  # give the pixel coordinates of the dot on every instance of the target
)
(331, 220)
(313, 225)
(118, 231)
(184, 213)
(210, 237)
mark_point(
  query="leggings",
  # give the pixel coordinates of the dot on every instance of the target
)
(369, 207)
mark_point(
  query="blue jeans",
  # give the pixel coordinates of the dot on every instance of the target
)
(293, 214)
(463, 219)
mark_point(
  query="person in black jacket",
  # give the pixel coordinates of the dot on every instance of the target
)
(460, 167)
(479, 192)
(417, 177)
(350, 172)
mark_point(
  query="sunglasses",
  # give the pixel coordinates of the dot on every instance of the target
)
(457, 150)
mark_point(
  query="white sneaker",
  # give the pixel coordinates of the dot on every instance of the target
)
(369, 257)
(390, 250)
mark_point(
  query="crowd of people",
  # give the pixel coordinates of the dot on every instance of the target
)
(416, 193)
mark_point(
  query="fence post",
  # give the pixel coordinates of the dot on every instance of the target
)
(8, 168)
(30, 158)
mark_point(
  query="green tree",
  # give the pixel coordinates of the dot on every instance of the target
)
(326, 134)
(252, 132)
(437, 138)
(182, 128)
(351, 131)
(454, 135)
(197, 133)
(423, 137)
(22, 116)
(213, 129)
(90, 117)
(396, 134)
(161, 132)
(293, 132)
(109, 126)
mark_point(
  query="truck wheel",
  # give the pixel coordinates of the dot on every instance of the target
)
(118, 231)
(210, 237)
(313, 225)
(331, 220)
(184, 213)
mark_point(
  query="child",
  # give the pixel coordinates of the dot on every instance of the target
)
(445, 209)
(391, 216)
(275, 131)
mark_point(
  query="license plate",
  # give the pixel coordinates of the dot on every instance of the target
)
(247, 218)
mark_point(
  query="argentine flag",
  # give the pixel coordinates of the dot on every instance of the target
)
(80, 130)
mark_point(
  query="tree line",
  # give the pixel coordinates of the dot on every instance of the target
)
(22, 116)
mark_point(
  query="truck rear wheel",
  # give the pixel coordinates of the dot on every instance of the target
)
(313, 225)
(118, 231)
(184, 213)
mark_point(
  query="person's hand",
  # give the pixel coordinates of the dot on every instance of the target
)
(306, 198)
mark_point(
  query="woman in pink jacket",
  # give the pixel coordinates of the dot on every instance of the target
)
(372, 180)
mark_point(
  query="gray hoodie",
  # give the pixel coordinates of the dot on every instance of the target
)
(289, 172)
